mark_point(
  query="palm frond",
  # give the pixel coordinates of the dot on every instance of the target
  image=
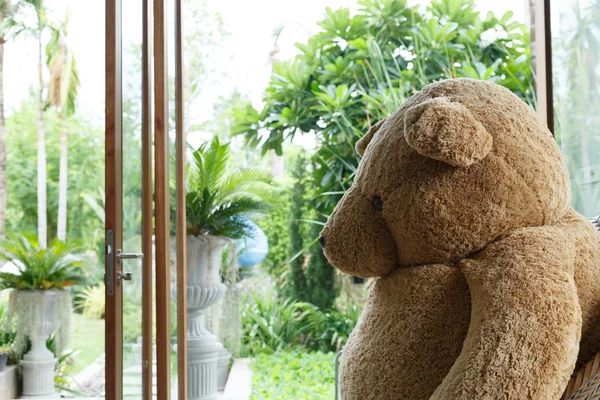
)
(57, 266)
(217, 198)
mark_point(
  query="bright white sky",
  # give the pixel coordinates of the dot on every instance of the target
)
(244, 59)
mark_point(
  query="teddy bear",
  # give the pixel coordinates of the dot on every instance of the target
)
(487, 282)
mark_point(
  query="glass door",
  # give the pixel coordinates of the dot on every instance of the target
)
(128, 251)
(145, 346)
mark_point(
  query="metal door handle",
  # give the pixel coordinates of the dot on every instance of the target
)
(128, 256)
(109, 275)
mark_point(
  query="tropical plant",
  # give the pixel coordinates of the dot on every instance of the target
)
(62, 93)
(92, 301)
(37, 268)
(361, 67)
(219, 200)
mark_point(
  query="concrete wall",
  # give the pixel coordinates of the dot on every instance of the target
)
(8, 383)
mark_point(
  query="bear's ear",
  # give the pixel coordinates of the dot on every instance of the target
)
(446, 131)
(364, 141)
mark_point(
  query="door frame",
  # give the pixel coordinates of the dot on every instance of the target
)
(114, 193)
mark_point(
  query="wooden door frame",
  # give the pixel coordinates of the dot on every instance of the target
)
(162, 225)
(180, 223)
(541, 46)
(147, 189)
(114, 192)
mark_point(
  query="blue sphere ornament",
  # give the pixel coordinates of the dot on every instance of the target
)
(253, 248)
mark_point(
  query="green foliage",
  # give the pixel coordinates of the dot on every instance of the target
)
(63, 368)
(7, 330)
(86, 156)
(296, 285)
(331, 329)
(218, 199)
(293, 375)
(57, 266)
(361, 67)
(92, 301)
(320, 275)
(275, 227)
(271, 324)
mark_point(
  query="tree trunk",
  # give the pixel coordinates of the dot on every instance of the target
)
(61, 225)
(41, 158)
(61, 230)
(3, 192)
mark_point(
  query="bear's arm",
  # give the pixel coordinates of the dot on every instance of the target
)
(525, 324)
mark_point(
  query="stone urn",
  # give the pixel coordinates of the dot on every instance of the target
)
(38, 364)
(204, 288)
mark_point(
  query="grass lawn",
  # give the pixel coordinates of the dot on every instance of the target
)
(88, 341)
(293, 376)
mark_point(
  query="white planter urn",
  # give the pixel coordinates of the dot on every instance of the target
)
(204, 288)
(38, 364)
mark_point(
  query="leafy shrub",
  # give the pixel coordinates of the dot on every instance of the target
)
(297, 376)
(92, 301)
(330, 330)
(271, 324)
(274, 224)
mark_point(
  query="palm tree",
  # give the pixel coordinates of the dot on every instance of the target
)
(41, 146)
(8, 29)
(62, 93)
(218, 201)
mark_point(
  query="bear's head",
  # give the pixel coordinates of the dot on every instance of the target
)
(457, 166)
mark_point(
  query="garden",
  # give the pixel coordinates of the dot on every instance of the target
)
(288, 310)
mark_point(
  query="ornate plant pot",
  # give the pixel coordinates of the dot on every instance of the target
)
(38, 364)
(204, 288)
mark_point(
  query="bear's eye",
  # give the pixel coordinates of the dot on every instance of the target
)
(378, 203)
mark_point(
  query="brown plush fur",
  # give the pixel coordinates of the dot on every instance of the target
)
(489, 282)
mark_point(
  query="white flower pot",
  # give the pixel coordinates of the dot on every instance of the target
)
(38, 364)
(204, 288)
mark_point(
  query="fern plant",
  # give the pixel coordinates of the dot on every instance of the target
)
(57, 267)
(220, 200)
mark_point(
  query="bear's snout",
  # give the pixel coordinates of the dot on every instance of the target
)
(358, 240)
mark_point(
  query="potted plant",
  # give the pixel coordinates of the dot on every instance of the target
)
(219, 202)
(40, 304)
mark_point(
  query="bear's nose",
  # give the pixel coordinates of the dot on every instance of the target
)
(322, 242)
